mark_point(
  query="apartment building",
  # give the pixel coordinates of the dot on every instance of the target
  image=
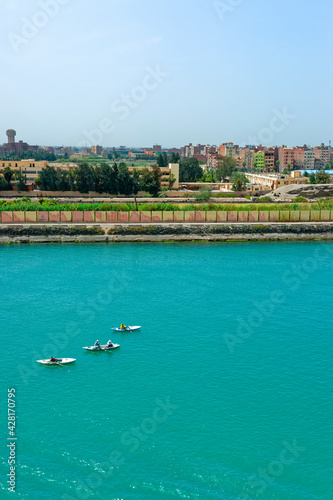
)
(246, 155)
(96, 150)
(323, 153)
(286, 158)
(228, 149)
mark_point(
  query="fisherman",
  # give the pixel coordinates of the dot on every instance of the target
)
(109, 344)
(97, 344)
(122, 326)
(53, 360)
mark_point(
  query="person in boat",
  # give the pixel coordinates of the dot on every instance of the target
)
(109, 344)
(123, 327)
(97, 344)
(52, 359)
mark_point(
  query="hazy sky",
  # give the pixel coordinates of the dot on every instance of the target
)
(139, 72)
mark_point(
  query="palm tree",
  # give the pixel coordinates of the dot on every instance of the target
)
(8, 173)
(171, 180)
(239, 181)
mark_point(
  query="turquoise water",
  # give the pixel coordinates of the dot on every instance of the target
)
(225, 393)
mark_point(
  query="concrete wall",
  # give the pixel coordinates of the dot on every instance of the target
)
(91, 217)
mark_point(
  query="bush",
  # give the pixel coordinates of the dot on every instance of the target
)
(203, 194)
(301, 199)
(225, 195)
(264, 199)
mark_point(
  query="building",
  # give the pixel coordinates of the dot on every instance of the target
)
(246, 155)
(309, 159)
(274, 181)
(323, 153)
(286, 158)
(15, 147)
(212, 160)
(228, 149)
(259, 160)
(270, 159)
(96, 150)
(29, 168)
(157, 148)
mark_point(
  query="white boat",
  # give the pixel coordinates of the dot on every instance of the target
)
(101, 348)
(126, 329)
(57, 361)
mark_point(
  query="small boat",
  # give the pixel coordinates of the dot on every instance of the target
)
(57, 361)
(126, 329)
(101, 348)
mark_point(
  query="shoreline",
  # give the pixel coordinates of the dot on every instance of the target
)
(164, 232)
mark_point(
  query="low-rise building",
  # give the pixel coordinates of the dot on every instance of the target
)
(274, 181)
(29, 168)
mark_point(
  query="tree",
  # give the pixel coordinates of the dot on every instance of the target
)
(151, 180)
(125, 181)
(63, 180)
(8, 174)
(189, 170)
(20, 182)
(174, 158)
(320, 178)
(3, 184)
(239, 181)
(208, 176)
(48, 179)
(244, 164)
(85, 178)
(277, 163)
(171, 180)
(160, 160)
(203, 194)
(165, 159)
(225, 168)
(106, 179)
(136, 181)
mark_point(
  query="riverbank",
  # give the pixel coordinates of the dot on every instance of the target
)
(112, 233)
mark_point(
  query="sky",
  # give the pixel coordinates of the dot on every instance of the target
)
(144, 72)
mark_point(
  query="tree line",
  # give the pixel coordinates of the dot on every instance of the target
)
(104, 178)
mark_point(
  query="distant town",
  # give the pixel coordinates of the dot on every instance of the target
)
(189, 167)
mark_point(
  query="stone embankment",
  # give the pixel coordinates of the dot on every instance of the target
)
(165, 232)
(311, 192)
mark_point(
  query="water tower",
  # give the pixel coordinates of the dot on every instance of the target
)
(11, 135)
